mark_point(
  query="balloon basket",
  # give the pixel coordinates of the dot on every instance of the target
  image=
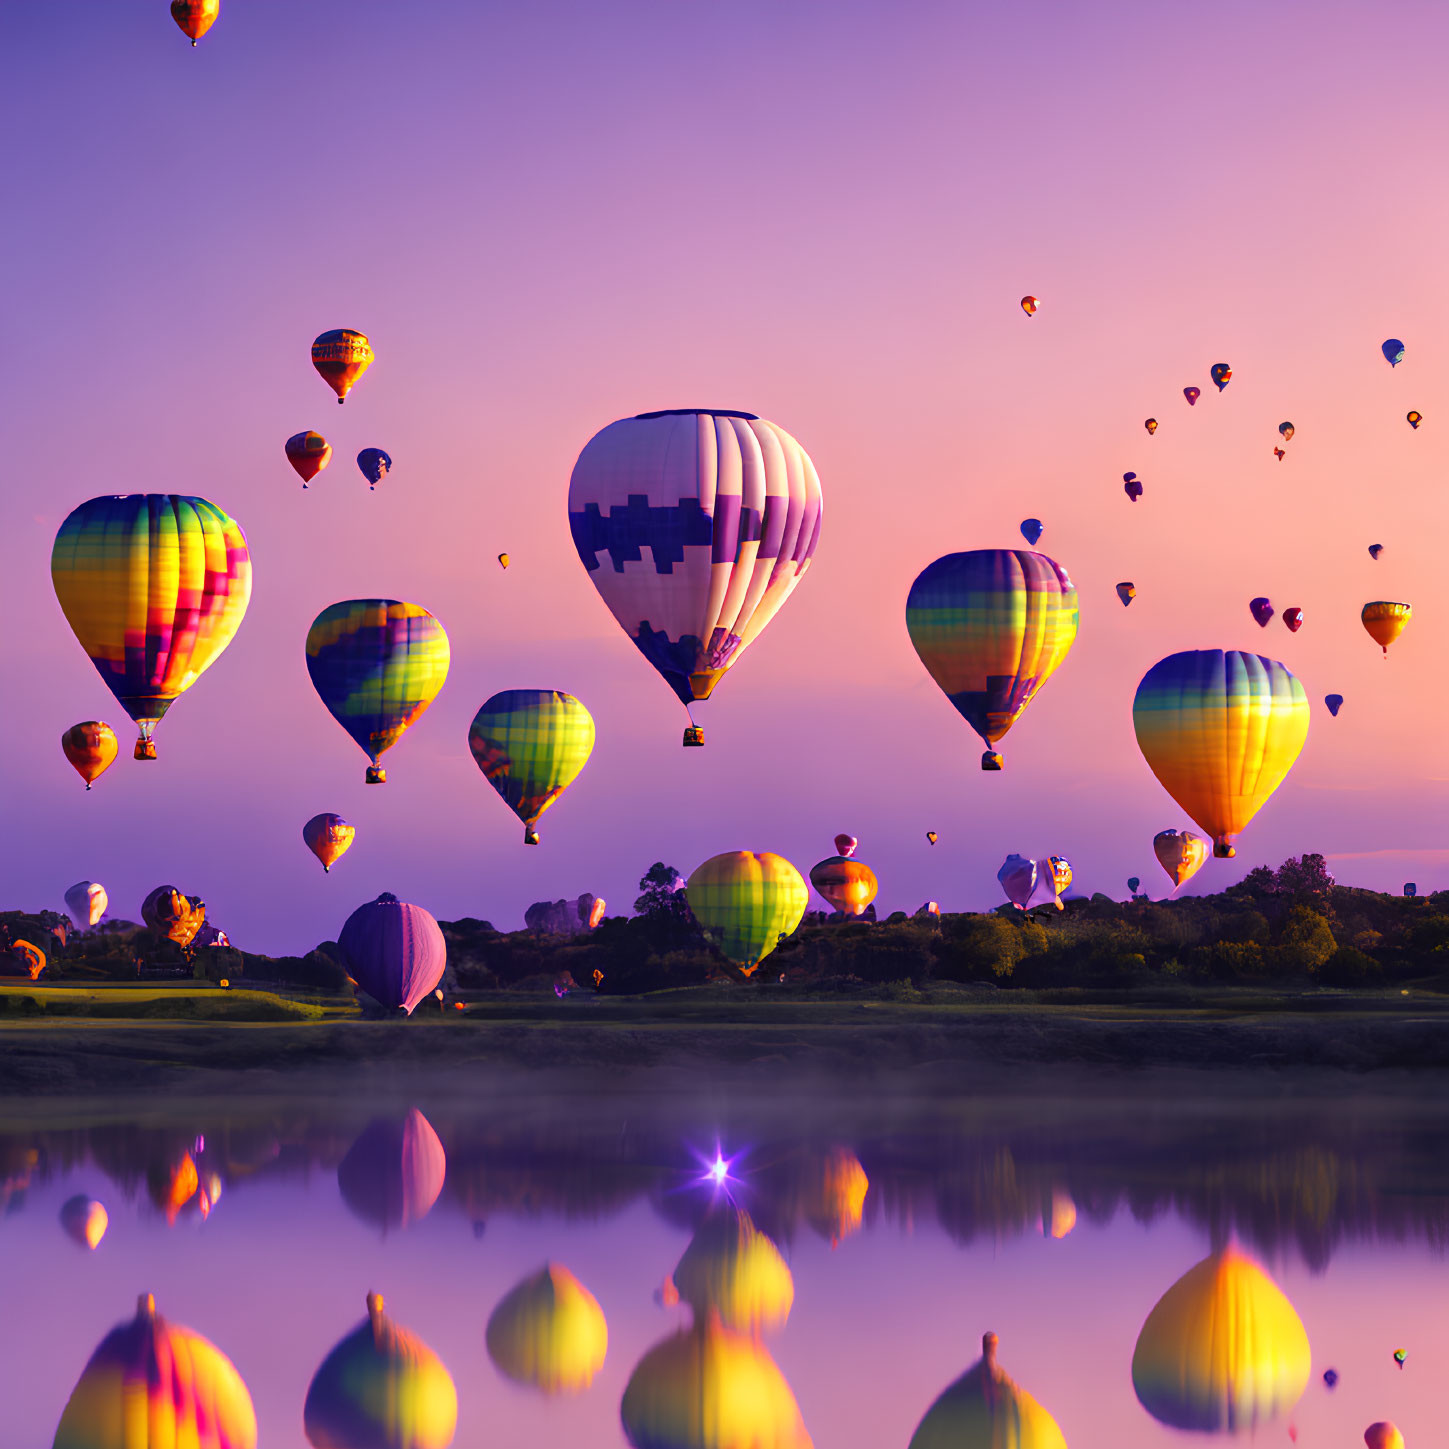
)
(145, 750)
(376, 775)
(990, 760)
(1223, 850)
(693, 736)
(530, 835)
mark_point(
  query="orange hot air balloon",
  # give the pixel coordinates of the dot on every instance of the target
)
(91, 749)
(931, 836)
(848, 885)
(341, 357)
(308, 453)
(503, 560)
(1151, 426)
(1385, 621)
(329, 838)
(1029, 305)
(1181, 854)
(836, 1206)
(195, 17)
(29, 957)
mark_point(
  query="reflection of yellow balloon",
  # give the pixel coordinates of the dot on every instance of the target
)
(1059, 1216)
(1223, 1350)
(549, 1333)
(838, 1205)
(984, 1409)
(1385, 621)
(730, 1266)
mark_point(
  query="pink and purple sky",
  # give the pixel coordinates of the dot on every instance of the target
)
(552, 216)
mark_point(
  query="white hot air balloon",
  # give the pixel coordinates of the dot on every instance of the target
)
(86, 901)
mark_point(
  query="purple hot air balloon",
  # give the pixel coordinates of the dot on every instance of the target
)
(1132, 486)
(1018, 879)
(1192, 394)
(392, 1175)
(393, 951)
(1334, 703)
(1261, 610)
(1031, 530)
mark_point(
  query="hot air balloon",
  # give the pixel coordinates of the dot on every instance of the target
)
(990, 626)
(1126, 591)
(531, 745)
(377, 665)
(394, 952)
(85, 1220)
(175, 916)
(1151, 426)
(835, 1206)
(931, 837)
(1134, 884)
(1132, 486)
(1375, 549)
(1399, 1357)
(154, 586)
(341, 357)
(156, 1383)
(1383, 1435)
(1031, 530)
(29, 957)
(1222, 374)
(1056, 871)
(329, 838)
(549, 1333)
(1192, 394)
(1018, 879)
(1334, 703)
(1181, 854)
(308, 453)
(1286, 429)
(695, 527)
(710, 1388)
(848, 885)
(1293, 618)
(503, 560)
(1220, 730)
(733, 1269)
(1385, 621)
(91, 749)
(1330, 1377)
(1414, 419)
(1393, 351)
(1223, 1350)
(375, 465)
(1279, 454)
(746, 902)
(392, 1174)
(1411, 890)
(1029, 306)
(985, 1409)
(381, 1387)
(195, 17)
(86, 901)
(845, 845)
(1261, 610)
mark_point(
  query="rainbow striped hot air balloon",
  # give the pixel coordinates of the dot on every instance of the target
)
(377, 665)
(695, 527)
(991, 626)
(549, 1333)
(1220, 730)
(531, 745)
(154, 585)
(746, 903)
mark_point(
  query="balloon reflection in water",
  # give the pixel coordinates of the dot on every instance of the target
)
(392, 1175)
(733, 1269)
(985, 1409)
(85, 1220)
(1059, 1214)
(837, 1205)
(549, 1333)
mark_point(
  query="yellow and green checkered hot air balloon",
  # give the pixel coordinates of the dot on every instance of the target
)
(154, 585)
(531, 745)
(377, 665)
(747, 902)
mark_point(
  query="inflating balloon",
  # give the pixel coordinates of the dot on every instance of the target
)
(1393, 351)
(1261, 610)
(375, 465)
(329, 838)
(1031, 530)
(1222, 374)
(1017, 877)
(1029, 305)
(1293, 618)
(1414, 419)
(1056, 870)
(986, 1409)
(848, 885)
(1334, 703)
(341, 357)
(86, 901)
(394, 951)
(308, 453)
(91, 749)
(845, 845)
(1151, 426)
(1132, 486)
(1126, 591)
(1385, 621)
(1375, 549)
(175, 916)
(747, 903)
(1286, 429)
(1181, 854)
(195, 17)
(1192, 394)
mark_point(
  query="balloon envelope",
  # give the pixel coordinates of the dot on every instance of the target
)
(1181, 854)
(745, 902)
(195, 17)
(985, 1408)
(1385, 621)
(91, 749)
(86, 901)
(1293, 618)
(733, 1269)
(341, 357)
(848, 885)
(1375, 549)
(1132, 487)
(177, 917)
(1383, 1435)
(1031, 530)
(1126, 591)
(1414, 419)
(1017, 877)
(1029, 305)
(1151, 426)
(392, 1174)
(845, 845)
(393, 951)
(308, 453)
(375, 465)
(549, 1333)
(1261, 610)
(1056, 871)
(1286, 429)
(1221, 374)
(329, 838)
(1192, 394)
(1134, 884)
(85, 1220)
(1334, 703)
(1393, 351)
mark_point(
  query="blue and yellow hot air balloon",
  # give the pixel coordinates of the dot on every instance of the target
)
(1220, 730)
(154, 585)
(990, 626)
(377, 665)
(531, 745)
(746, 902)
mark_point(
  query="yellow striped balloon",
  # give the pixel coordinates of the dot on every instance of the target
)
(549, 1333)
(734, 1269)
(1385, 621)
(746, 902)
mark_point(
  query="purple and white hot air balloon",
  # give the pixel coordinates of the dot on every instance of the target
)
(395, 952)
(392, 1175)
(1018, 879)
(695, 526)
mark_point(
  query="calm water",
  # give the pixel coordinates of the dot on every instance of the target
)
(1344, 1199)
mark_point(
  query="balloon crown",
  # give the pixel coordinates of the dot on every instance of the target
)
(386, 899)
(690, 412)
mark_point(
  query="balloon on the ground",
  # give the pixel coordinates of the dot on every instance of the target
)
(548, 1333)
(845, 845)
(377, 665)
(991, 626)
(1334, 703)
(195, 17)
(329, 838)
(375, 465)
(1017, 878)
(91, 749)
(29, 957)
(154, 585)
(392, 1174)
(86, 901)
(394, 951)
(1126, 591)
(746, 903)
(1261, 610)
(341, 357)
(308, 453)
(1181, 854)
(733, 1269)
(1293, 618)
(1029, 305)
(1393, 351)
(1221, 375)
(986, 1409)
(848, 885)
(1385, 621)
(1220, 730)
(1287, 430)
(530, 745)
(1414, 419)
(1192, 394)
(1056, 871)
(1375, 549)
(695, 527)
(84, 1220)
(1151, 426)
(1031, 530)
(177, 917)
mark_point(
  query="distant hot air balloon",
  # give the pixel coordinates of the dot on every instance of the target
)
(1151, 426)
(848, 885)
(549, 1333)
(1385, 622)
(1261, 610)
(731, 1268)
(341, 357)
(1293, 618)
(1031, 530)
(375, 465)
(1134, 884)
(393, 951)
(329, 838)
(377, 665)
(1029, 306)
(381, 1387)
(153, 1383)
(91, 749)
(985, 1409)
(1220, 730)
(1222, 374)
(746, 903)
(1414, 419)
(931, 837)
(1126, 591)
(1132, 486)
(1286, 429)
(695, 527)
(1181, 854)
(530, 745)
(1018, 879)
(1410, 890)
(1375, 549)
(991, 626)
(177, 917)
(1393, 351)
(154, 586)
(392, 1174)
(308, 453)
(1279, 454)
(1192, 394)
(1383, 1435)
(195, 17)
(1334, 703)
(85, 1220)
(1056, 871)
(503, 560)
(1223, 1350)
(1330, 1377)
(86, 901)
(845, 845)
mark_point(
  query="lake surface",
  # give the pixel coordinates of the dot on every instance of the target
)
(1055, 1217)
